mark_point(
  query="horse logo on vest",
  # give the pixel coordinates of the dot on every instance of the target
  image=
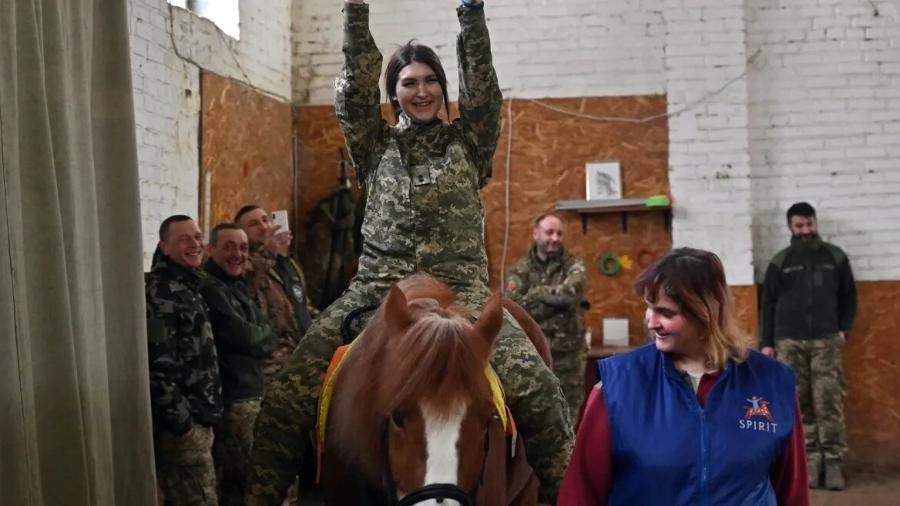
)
(758, 408)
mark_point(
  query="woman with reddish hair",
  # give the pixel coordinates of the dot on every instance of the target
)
(696, 417)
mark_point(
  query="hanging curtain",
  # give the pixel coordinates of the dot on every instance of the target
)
(74, 400)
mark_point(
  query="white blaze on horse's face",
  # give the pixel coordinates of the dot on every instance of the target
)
(442, 434)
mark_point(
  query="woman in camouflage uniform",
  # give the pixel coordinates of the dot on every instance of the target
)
(422, 178)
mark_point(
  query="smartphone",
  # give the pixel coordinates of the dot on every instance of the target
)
(281, 218)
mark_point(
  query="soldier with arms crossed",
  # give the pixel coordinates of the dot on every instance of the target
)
(549, 283)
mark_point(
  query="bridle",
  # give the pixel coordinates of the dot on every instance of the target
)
(437, 491)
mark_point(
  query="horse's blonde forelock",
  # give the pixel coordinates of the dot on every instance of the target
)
(439, 359)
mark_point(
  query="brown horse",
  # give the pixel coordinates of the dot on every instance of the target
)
(413, 418)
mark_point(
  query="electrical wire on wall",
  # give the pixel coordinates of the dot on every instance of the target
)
(609, 119)
(685, 108)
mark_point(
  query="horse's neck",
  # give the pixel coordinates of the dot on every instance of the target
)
(353, 420)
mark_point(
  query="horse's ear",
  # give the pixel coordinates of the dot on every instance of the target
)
(490, 320)
(396, 312)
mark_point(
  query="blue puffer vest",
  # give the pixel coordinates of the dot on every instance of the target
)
(667, 449)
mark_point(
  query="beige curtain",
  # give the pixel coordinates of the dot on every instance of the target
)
(74, 401)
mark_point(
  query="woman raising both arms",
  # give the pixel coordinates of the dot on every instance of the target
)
(422, 178)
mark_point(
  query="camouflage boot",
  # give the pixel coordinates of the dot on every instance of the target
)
(814, 472)
(834, 475)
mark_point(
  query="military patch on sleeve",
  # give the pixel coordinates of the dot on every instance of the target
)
(511, 285)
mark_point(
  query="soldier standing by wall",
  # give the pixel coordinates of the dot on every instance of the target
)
(549, 283)
(244, 340)
(185, 391)
(808, 307)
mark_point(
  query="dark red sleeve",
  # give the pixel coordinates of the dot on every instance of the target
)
(788, 473)
(589, 476)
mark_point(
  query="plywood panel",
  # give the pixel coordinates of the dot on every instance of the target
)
(245, 149)
(549, 152)
(321, 146)
(872, 365)
(746, 307)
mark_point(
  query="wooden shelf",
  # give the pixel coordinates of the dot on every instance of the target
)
(621, 206)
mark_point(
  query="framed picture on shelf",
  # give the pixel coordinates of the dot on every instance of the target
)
(602, 180)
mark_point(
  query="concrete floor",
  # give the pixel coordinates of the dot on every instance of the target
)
(862, 490)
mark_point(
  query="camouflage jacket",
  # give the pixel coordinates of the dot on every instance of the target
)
(184, 372)
(243, 336)
(283, 302)
(422, 181)
(552, 291)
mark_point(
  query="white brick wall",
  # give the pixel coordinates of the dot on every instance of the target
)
(709, 170)
(825, 126)
(167, 92)
(542, 48)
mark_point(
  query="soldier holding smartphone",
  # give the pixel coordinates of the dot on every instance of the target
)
(276, 280)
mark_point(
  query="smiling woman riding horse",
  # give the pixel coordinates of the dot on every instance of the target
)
(422, 177)
(413, 412)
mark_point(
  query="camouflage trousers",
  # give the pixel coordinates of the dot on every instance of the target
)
(288, 410)
(184, 468)
(821, 390)
(231, 450)
(569, 362)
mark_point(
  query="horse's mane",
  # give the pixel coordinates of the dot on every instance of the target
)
(439, 358)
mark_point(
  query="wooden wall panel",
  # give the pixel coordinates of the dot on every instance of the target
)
(747, 307)
(245, 147)
(872, 366)
(320, 146)
(549, 152)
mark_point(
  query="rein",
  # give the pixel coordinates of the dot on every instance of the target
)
(437, 491)
(352, 315)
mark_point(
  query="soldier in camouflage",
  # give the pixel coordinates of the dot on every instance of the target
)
(276, 281)
(549, 283)
(423, 214)
(185, 391)
(808, 308)
(244, 339)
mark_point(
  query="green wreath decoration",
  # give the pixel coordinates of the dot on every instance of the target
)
(609, 265)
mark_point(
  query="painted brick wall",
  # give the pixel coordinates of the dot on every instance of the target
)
(541, 48)
(825, 125)
(167, 91)
(709, 169)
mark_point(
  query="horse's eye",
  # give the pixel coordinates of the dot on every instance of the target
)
(397, 419)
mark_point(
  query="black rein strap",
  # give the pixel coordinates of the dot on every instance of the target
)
(439, 492)
(352, 315)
